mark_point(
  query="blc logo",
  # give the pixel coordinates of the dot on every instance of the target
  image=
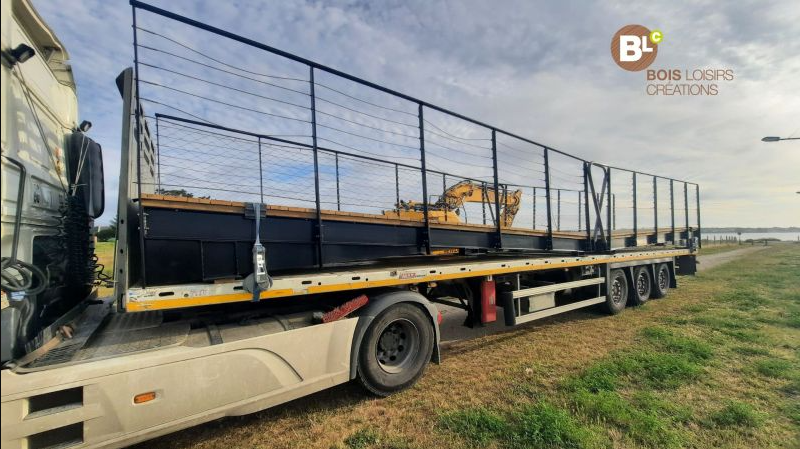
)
(634, 47)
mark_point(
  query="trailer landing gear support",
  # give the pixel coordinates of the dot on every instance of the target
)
(395, 350)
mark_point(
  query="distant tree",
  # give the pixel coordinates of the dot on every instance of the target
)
(113, 225)
(108, 233)
(175, 192)
(178, 192)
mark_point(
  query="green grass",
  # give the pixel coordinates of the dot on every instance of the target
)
(632, 395)
(538, 425)
(362, 439)
(478, 425)
(776, 368)
(543, 425)
(736, 414)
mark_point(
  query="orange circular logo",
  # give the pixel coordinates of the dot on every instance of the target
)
(634, 47)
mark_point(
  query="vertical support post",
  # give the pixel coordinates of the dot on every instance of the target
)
(397, 187)
(699, 230)
(499, 238)
(318, 228)
(608, 207)
(686, 210)
(558, 209)
(483, 200)
(672, 208)
(426, 237)
(138, 120)
(586, 168)
(338, 200)
(549, 242)
(614, 211)
(158, 156)
(635, 215)
(260, 174)
(655, 206)
(580, 212)
(534, 208)
(444, 189)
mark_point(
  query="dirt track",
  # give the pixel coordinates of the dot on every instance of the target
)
(712, 260)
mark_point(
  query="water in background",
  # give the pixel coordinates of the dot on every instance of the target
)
(785, 236)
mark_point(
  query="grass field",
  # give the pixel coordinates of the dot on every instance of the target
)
(105, 256)
(715, 364)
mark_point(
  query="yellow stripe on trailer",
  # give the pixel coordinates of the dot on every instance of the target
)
(193, 295)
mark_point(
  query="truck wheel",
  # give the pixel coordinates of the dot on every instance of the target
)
(395, 350)
(661, 282)
(642, 285)
(618, 292)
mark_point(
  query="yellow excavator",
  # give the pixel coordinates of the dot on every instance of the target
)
(447, 209)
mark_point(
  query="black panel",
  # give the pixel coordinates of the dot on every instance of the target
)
(219, 260)
(172, 261)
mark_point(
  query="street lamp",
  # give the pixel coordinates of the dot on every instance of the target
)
(776, 138)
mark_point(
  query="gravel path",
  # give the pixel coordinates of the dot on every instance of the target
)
(712, 260)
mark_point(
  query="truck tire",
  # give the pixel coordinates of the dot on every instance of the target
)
(618, 292)
(661, 281)
(395, 350)
(642, 285)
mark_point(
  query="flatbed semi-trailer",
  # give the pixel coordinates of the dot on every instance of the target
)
(255, 267)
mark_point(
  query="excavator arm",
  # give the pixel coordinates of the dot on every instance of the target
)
(445, 209)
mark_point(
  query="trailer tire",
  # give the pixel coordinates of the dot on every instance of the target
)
(661, 281)
(395, 350)
(642, 285)
(617, 296)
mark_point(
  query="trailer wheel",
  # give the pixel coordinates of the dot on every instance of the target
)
(642, 285)
(618, 292)
(395, 350)
(661, 281)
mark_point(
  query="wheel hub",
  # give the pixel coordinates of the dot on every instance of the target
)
(397, 345)
(641, 284)
(616, 291)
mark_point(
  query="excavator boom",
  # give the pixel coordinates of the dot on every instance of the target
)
(446, 208)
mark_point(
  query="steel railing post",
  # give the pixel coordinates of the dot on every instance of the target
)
(614, 211)
(158, 156)
(397, 187)
(137, 114)
(608, 207)
(549, 242)
(686, 210)
(672, 208)
(426, 237)
(260, 174)
(635, 214)
(699, 231)
(558, 209)
(655, 206)
(534, 208)
(498, 224)
(338, 198)
(586, 168)
(318, 228)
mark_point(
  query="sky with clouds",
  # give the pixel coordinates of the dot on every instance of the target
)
(539, 69)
